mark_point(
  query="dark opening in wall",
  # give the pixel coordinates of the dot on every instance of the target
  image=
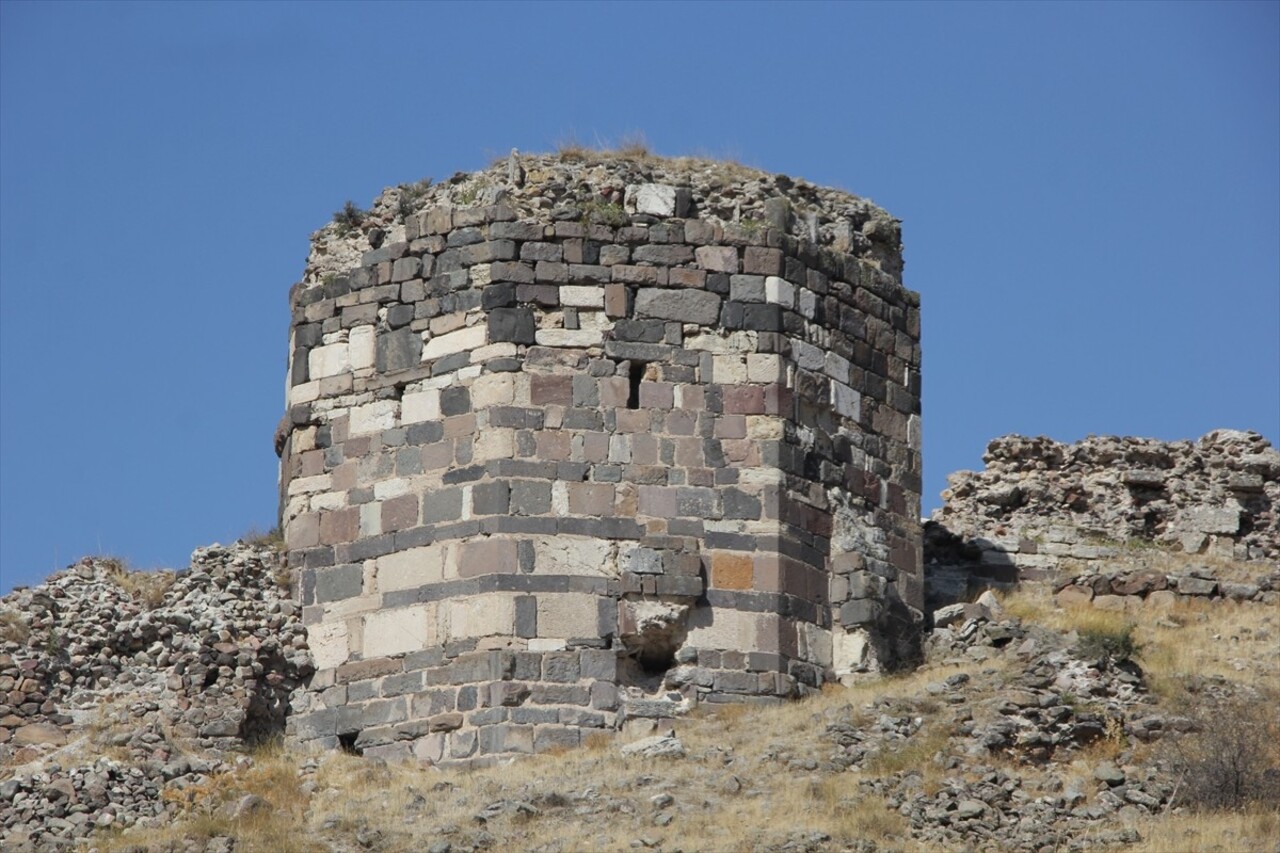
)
(656, 660)
(634, 376)
(347, 743)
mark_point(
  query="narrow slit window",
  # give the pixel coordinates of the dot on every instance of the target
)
(635, 375)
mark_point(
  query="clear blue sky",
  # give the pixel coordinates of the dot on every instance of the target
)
(1090, 195)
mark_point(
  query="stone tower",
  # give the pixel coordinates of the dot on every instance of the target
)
(582, 440)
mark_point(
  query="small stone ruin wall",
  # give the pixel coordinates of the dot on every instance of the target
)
(1044, 510)
(575, 444)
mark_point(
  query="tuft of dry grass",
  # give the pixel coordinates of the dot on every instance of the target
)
(631, 145)
(146, 587)
(13, 627)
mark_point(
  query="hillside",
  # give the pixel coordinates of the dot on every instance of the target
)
(143, 715)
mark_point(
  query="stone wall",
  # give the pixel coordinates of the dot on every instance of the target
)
(574, 442)
(1042, 509)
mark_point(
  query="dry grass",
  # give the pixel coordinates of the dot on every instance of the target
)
(1216, 639)
(145, 587)
(1218, 832)
(631, 145)
(13, 627)
(205, 809)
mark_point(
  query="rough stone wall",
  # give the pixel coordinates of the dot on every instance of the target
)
(1044, 509)
(594, 451)
(210, 654)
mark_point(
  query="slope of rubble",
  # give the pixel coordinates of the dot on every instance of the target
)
(116, 686)
(1034, 725)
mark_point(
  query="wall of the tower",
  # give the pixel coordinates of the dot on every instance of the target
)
(542, 477)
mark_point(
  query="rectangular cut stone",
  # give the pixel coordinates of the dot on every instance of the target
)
(398, 350)
(486, 557)
(570, 337)
(398, 630)
(420, 406)
(459, 341)
(361, 348)
(722, 629)
(328, 360)
(780, 291)
(410, 569)
(653, 199)
(567, 616)
(329, 644)
(688, 306)
(846, 401)
(481, 616)
(582, 296)
(373, 417)
(717, 258)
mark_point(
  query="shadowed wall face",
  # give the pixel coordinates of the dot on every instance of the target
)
(544, 473)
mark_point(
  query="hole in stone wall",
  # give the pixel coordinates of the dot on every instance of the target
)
(656, 660)
(634, 376)
(210, 677)
(347, 743)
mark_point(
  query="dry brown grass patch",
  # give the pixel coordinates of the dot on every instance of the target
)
(13, 627)
(1222, 832)
(204, 810)
(145, 587)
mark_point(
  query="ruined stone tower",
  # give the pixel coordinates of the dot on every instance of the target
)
(583, 439)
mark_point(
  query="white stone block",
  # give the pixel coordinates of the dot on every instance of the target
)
(459, 341)
(373, 417)
(728, 369)
(361, 348)
(575, 555)
(481, 616)
(620, 448)
(729, 629)
(764, 367)
(582, 296)
(851, 652)
(846, 401)
(420, 406)
(569, 337)
(329, 644)
(494, 444)
(329, 500)
(399, 630)
(310, 485)
(815, 644)
(411, 569)
(541, 644)
(808, 303)
(329, 361)
(653, 199)
(386, 489)
(492, 389)
(502, 349)
(837, 367)
(304, 393)
(780, 291)
(370, 519)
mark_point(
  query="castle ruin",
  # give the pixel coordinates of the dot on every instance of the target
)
(579, 441)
